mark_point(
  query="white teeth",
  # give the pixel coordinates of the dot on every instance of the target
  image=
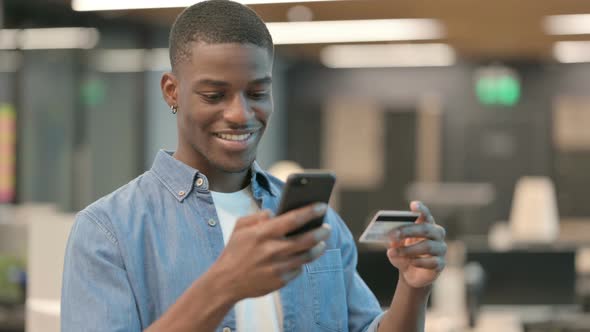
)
(234, 137)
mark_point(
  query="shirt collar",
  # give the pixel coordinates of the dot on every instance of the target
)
(180, 178)
(260, 179)
(175, 175)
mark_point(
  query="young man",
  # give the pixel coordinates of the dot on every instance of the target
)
(192, 244)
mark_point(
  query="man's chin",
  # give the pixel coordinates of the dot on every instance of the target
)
(236, 166)
(237, 170)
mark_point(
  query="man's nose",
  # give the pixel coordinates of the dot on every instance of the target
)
(239, 111)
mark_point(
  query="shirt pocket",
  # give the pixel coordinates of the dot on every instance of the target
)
(328, 291)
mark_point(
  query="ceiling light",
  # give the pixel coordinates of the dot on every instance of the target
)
(130, 60)
(354, 31)
(577, 24)
(387, 55)
(96, 5)
(572, 51)
(58, 38)
(119, 60)
(157, 59)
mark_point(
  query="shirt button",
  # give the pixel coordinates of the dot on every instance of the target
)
(181, 193)
(199, 182)
(226, 329)
(212, 223)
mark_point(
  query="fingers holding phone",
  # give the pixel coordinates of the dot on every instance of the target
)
(290, 222)
(291, 252)
(303, 242)
(259, 258)
(292, 264)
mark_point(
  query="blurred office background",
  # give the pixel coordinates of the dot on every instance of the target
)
(479, 108)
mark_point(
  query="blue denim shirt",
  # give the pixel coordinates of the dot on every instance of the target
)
(131, 254)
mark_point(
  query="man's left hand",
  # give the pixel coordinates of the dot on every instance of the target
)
(418, 250)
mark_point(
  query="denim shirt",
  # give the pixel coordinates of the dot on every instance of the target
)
(131, 255)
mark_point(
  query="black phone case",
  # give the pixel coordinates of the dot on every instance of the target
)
(303, 189)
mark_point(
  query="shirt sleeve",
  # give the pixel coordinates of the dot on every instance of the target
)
(364, 311)
(96, 293)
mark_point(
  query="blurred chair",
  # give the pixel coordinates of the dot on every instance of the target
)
(534, 217)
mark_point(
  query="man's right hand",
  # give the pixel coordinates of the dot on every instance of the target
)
(259, 259)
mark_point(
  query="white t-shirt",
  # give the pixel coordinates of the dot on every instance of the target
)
(260, 314)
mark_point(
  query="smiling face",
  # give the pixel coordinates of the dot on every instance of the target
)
(223, 94)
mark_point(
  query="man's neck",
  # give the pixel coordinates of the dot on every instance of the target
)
(228, 182)
(220, 181)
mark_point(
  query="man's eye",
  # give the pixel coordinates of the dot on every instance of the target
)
(213, 96)
(258, 94)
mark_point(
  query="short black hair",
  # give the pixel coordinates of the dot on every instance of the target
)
(216, 22)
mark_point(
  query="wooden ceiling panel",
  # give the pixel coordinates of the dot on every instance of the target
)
(476, 29)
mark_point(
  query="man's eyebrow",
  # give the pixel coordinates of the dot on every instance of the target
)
(217, 83)
(263, 80)
(208, 81)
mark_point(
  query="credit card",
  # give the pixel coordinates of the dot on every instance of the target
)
(384, 222)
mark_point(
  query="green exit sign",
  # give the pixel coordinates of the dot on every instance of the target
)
(497, 86)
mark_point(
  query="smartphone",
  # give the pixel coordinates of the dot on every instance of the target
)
(302, 189)
(384, 222)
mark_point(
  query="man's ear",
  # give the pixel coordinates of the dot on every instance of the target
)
(169, 86)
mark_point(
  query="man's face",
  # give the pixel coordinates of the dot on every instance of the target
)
(224, 101)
